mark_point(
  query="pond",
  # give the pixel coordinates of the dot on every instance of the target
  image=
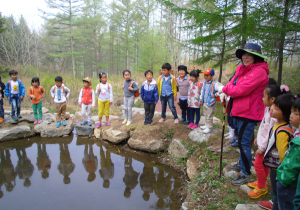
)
(81, 173)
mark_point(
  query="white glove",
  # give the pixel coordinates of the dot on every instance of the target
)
(220, 89)
(223, 97)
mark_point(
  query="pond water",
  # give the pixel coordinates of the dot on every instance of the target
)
(80, 173)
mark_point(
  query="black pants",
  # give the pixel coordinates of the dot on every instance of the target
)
(185, 109)
(149, 110)
(273, 175)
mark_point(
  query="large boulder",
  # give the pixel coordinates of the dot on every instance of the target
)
(247, 207)
(115, 136)
(17, 132)
(177, 149)
(29, 119)
(51, 130)
(97, 133)
(149, 145)
(48, 118)
(84, 130)
(193, 168)
(198, 135)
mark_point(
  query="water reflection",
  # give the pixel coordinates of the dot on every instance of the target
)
(24, 167)
(147, 181)
(43, 162)
(130, 178)
(7, 172)
(66, 166)
(90, 162)
(107, 168)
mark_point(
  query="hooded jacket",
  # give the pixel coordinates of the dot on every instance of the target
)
(21, 89)
(248, 91)
(149, 92)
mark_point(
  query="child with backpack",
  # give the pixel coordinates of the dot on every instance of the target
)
(194, 99)
(2, 88)
(15, 92)
(105, 98)
(208, 98)
(86, 101)
(149, 94)
(183, 83)
(131, 89)
(36, 94)
(59, 92)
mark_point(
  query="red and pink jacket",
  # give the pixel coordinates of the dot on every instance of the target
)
(248, 91)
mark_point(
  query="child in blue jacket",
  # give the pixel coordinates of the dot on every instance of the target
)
(149, 94)
(15, 92)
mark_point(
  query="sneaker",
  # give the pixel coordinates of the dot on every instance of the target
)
(64, 123)
(235, 167)
(150, 121)
(98, 125)
(40, 121)
(233, 140)
(187, 122)
(266, 204)
(19, 116)
(35, 122)
(190, 126)
(182, 120)
(229, 137)
(58, 124)
(194, 126)
(162, 120)
(256, 193)
(203, 127)
(84, 122)
(89, 123)
(226, 134)
(128, 123)
(146, 121)
(107, 124)
(176, 121)
(252, 184)
(241, 179)
(1, 120)
(14, 118)
(124, 122)
(207, 130)
(235, 144)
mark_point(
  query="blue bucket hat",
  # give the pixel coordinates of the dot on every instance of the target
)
(251, 48)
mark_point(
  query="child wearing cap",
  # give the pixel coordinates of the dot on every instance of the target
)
(183, 83)
(208, 98)
(60, 93)
(86, 101)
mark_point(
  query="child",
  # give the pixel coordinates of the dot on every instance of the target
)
(129, 87)
(60, 93)
(183, 83)
(15, 92)
(194, 99)
(279, 138)
(289, 169)
(208, 98)
(167, 91)
(260, 187)
(86, 101)
(2, 88)
(36, 94)
(149, 94)
(105, 98)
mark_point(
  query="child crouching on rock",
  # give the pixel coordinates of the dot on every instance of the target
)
(86, 101)
(149, 94)
(60, 93)
(36, 94)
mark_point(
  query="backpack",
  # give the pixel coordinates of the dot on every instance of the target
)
(137, 93)
(63, 89)
(271, 158)
(99, 87)
(198, 84)
(212, 91)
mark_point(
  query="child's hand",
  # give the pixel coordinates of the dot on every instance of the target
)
(212, 96)
(22, 97)
(110, 103)
(7, 97)
(130, 88)
(177, 84)
(98, 90)
(79, 104)
(255, 142)
(155, 102)
(123, 88)
(93, 107)
(259, 152)
(200, 104)
(175, 98)
(33, 97)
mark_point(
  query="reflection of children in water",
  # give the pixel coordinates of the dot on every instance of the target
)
(130, 178)
(147, 181)
(66, 166)
(90, 162)
(24, 167)
(43, 162)
(7, 172)
(162, 187)
(107, 168)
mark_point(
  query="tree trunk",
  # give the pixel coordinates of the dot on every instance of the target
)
(223, 44)
(244, 17)
(71, 40)
(95, 51)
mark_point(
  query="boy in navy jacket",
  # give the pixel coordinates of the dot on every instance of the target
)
(149, 94)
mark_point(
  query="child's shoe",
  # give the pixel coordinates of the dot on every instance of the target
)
(146, 121)
(84, 122)
(266, 204)
(194, 126)
(187, 122)
(89, 123)
(98, 125)
(107, 124)
(64, 123)
(128, 123)
(206, 130)
(190, 126)
(124, 122)
(14, 118)
(182, 120)
(19, 116)
(150, 121)
(256, 193)
(40, 121)
(233, 140)
(176, 121)
(1, 120)
(203, 127)
(58, 124)
(252, 184)
(235, 144)
(162, 120)
(35, 122)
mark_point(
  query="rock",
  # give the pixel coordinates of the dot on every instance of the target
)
(49, 118)
(45, 110)
(84, 130)
(17, 132)
(146, 145)
(52, 131)
(184, 206)
(97, 133)
(244, 188)
(177, 149)
(252, 170)
(230, 174)
(29, 119)
(215, 120)
(198, 135)
(247, 207)
(226, 147)
(26, 112)
(115, 136)
(192, 168)
(64, 136)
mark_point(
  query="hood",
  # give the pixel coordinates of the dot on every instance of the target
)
(152, 83)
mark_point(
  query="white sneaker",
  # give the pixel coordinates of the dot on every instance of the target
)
(124, 122)
(207, 130)
(226, 134)
(228, 137)
(128, 123)
(203, 127)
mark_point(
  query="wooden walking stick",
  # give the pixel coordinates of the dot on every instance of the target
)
(223, 130)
